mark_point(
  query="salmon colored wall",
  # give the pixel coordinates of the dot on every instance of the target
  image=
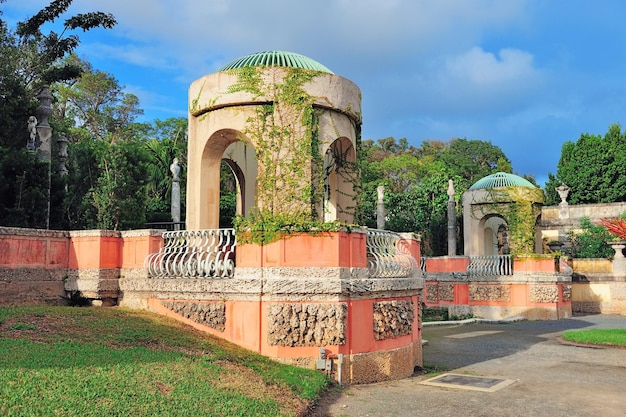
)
(242, 322)
(359, 333)
(33, 251)
(90, 252)
(326, 249)
(135, 249)
(410, 245)
(447, 264)
(461, 294)
(520, 297)
(534, 265)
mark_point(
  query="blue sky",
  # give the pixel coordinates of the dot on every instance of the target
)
(526, 75)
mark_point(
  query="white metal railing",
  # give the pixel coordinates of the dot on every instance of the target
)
(490, 265)
(385, 256)
(194, 253)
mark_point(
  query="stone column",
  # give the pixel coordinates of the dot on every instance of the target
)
(44, 132)
(451, 220)
(175, 209)
(380, 208)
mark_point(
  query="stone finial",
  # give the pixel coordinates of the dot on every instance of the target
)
(45, 106)
(32, 133)
(450, 190)
(563, 191)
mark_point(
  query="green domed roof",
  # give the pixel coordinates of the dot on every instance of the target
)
(501, 179)
(276, 59)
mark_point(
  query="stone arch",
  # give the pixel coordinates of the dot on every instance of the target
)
(494, 235)
(240, 157)
(339, 180)
(223, 144)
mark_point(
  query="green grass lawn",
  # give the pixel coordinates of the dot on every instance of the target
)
(607, 337)
(70, 361)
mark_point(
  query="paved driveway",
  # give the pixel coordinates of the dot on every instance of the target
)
(552, 378)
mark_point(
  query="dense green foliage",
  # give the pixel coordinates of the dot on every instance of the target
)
(591, 241)
(118, 169)
(593, 167)
(101, 362)
(416, 183)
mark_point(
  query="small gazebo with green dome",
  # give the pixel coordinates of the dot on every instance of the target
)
(500, 214)
(287, 126)
(276, 59)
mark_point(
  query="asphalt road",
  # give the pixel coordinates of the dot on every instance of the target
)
(552, 378)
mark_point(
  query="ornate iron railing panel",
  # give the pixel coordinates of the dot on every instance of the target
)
(493, 265)
(194, 254)
(385, 256)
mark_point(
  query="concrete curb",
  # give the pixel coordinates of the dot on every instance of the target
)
(470, 321)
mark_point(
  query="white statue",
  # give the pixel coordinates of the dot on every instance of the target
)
(32, 131)
(450, 190)
(175, 169)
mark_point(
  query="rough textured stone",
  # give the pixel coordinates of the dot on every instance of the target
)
(479, 292)
(432, 293)
(567, 293)
(209, 314)
(93, 283)
(446, 292)
(307, 324)
(393, 319)
(544, 294)
(384, 365)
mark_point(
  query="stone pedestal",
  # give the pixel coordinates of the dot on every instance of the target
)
(619, 262)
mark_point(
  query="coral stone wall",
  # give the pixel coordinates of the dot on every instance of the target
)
(33, 265)
(536, 290)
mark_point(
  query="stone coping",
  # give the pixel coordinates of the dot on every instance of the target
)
(19, 231)
(116, 233)
(94, 233)
(604, 277)
(525, 278)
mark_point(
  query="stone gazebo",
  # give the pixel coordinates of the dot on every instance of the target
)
(238, 115)
(345, 301)
(493, 207)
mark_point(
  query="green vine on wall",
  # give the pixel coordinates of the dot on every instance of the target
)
(285, 134)
(519, 207)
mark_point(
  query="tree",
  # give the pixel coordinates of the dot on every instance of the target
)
(474, 159)
(593, 167)
(96, 105)
(29, 60)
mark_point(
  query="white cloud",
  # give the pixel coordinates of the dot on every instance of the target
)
(486, 70)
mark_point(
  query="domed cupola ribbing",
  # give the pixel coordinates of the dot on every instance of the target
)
(501, 179)
(276, 59)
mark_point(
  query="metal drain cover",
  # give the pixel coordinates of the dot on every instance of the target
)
(470, 382)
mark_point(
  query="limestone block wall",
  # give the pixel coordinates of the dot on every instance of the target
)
(596, 289)
(557, 221)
